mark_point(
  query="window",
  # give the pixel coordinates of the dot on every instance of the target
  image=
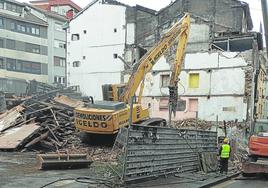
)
(23, 66)
(1, 43)
(19, 65)
(11, 7)
(164, 80)
(1, 5)
(181, 105)
(35, 31)
(27, 67)
(19, 9)
(12, 25)
(60, 62)
(115, 30)
(84, 57)
(10, 44)
(58, 27)
(76, 64)
(228, 109)
(21, 28)
(28, 29)
(32, 48)
(59, 79)
(11, 64)
(75, 37)
(59, 44)
(193, 80)
(36, 68)
(163, 103)
(1, 22)
(85, 31)
(193, 105)
(2, 63)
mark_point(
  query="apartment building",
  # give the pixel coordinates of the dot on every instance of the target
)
(23, 43)
(56, 44)
(65, 8)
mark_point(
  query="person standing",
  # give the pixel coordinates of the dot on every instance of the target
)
(224, 153)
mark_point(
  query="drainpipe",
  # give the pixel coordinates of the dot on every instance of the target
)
(66, 27)
(265, 21)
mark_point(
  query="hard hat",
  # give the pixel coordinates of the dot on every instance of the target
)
(225, 140)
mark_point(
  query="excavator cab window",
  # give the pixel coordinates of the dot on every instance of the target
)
(261, 128)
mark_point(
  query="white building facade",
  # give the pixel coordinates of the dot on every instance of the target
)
(95, 37)
(211, 87)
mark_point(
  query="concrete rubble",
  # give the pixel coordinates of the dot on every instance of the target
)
(192, 124)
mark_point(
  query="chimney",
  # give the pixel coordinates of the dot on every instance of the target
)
(70, 14)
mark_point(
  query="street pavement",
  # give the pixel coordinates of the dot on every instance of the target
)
(245, 183)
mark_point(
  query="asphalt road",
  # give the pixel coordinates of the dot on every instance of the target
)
(244, 183)
(18, 170)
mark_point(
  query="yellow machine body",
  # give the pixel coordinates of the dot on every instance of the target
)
(105, 121)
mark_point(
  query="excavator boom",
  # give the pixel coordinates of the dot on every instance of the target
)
(180, 29)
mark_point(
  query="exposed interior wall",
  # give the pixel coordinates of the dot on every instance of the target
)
(222, 86)
(158, 107)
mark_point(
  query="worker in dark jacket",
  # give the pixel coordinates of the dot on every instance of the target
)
(224, 154)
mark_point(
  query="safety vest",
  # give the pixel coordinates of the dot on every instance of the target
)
(225, 151)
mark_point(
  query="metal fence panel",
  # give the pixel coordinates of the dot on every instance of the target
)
(156, 151)
(16, 86)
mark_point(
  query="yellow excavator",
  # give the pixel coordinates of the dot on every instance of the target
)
(108, 116)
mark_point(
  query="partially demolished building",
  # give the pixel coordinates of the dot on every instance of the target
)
(223, 57)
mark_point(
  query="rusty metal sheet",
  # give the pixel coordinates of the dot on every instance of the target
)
(8, 119)
(68, 101)
(15, 137)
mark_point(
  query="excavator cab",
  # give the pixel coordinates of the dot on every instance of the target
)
(112, 92)
(258, 142)
(257, 162)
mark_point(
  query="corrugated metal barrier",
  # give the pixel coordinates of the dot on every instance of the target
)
(155, 151)
(16, 86)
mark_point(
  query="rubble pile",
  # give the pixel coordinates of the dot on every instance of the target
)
(54, 117)
(192, 124)
(237, 135)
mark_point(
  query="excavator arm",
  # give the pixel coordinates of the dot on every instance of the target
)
(173, 84)
(181, 30)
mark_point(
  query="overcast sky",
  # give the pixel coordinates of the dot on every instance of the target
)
(255, 6)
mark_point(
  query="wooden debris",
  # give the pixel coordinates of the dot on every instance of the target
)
(16, 137)
(54, 120)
